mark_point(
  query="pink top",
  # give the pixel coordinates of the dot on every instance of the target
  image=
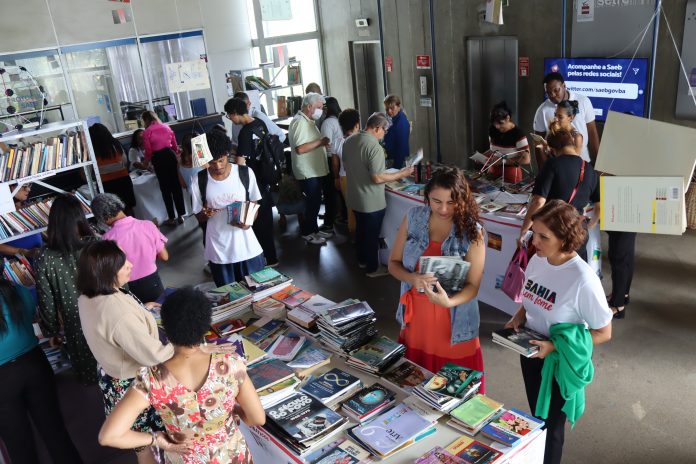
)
(140, 241)
(157, 137)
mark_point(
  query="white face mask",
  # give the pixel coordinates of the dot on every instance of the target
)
(317, 114)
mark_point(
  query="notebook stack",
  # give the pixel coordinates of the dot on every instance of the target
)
(269, 286)
(229, 301)
(471, 416)
(511, 427)
(269, 378)
(396, 429)
(369, 402)
(450, 387)
(346, 328)
(302, 423)
(377, 355)
(332, 387)
(518, 341)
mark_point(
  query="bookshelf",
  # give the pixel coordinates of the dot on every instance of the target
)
(238, 81)
(36, 155)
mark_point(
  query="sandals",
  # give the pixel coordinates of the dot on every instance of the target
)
(619, 312)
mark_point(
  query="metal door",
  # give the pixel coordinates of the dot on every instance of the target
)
(368, 78)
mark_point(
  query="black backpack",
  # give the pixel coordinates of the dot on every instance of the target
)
(267, 161)
(203, 182)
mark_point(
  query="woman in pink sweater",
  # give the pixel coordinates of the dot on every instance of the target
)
(160, 149)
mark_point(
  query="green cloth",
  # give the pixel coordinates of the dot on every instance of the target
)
(363, 157)
(571, 366)
(312, 163)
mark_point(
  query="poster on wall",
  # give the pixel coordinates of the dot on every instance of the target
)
(187, 76)
(585, 11)
(616, 84)
(276, 10)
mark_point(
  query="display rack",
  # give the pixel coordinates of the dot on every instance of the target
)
(28, 136)
(237, 82)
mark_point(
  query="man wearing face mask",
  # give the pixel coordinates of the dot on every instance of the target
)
(584, 122)
(309, 163)
(363, 160)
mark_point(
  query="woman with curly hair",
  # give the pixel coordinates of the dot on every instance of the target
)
(198, 393)
(438, 328)
(563, 299)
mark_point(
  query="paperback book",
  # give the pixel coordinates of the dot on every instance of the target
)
(303, 418)
(451, 386)
(341, 451)
(471, 416)
(308, 360)
(268, 329)
(439, 455)
(242, 212)
(368, 402)
(519, 341)
(332, 385)
(286, 347)
(450, 271)
(407, 375)
(471, 451)
(269, 372)
(511, 427)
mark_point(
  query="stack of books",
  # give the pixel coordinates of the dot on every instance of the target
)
(286, 347)
(308, 360)
(302, 423)
(229, 301)
(450, 387)
(396, 429)
(32, 217)
(19, 271)
(406, 375)
(511, 427)
(341, 451)
(472, 451)
(267, 288)
(515, 210)
(369, 402)
(54, 153)
(332, 387)
(518, 341)
(377, 355)
(471, 416)
(268, 307)
(345, 328)
(304, 316)
(242, 212)
(491, 207)
(292, 296)
(269, 376)
(243, 347)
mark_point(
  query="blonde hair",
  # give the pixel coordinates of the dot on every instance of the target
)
(392, 100)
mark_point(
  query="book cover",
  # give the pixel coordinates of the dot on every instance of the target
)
(407, 375)
(439, 455)
(317, 304)
(330, 384)
(309, 357)
(253, 353)
(228, 327)
(450, 271)
(303, 417)
(511, 426)
(369, 399)
(268, 372)
(472, 451)
(342, 451)
(392, 429)
(454, 381)
(520, 339)
(375, 352)
(265, 274)
(345, 314)
(234, 212)
(200, 150)
(268, 329)
(476, 410)
(286, 347)
(286, 292)
(291, 382)
(297, 299)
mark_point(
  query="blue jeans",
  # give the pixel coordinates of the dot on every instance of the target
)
(367, 229)
(311, 188)
(224, 274)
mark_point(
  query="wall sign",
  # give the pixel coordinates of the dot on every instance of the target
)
(276, 10)
(187, 76)
(524, 66)
(389, 63)
(585, 11)
(422, 61)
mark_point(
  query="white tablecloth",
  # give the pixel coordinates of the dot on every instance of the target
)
(496, 260)
(148, 198)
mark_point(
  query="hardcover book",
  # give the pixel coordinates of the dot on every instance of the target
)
(303, 417)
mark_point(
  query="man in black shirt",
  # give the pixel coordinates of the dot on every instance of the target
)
(249, 137)
(566, 177)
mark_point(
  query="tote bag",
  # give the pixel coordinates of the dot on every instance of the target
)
(513, 282)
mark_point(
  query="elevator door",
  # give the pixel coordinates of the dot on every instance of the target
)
(368, 78)
(492, 77)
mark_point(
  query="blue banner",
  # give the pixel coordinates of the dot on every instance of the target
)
(616, 84)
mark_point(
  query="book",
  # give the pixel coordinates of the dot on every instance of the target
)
(414, 158)
(491, 206)
(342, 451)
(200, 150)
(537, 139)
(439, 455)
(268, 329)
(377, 355)
(242, 212)
(302, 317)
(268, 307)
(518, 341)
(228, 327)
(286, 347)
(317, 304)
(265, 274)
(406, 375)
(515, 210)
(450, 271)
(331, 385)
(277, 392)
(252, 352)
(269, 372)
(297, 299)
(511, 427)
(302, 417)
(368, 401)
(471, 451)
(472, 415)
(308, 360)
(454, 381)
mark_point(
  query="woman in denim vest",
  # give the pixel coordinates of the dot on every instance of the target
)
(435, 327)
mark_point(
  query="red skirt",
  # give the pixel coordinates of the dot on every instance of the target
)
(428, 333)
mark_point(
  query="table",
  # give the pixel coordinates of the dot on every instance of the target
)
(149, 204)
(266, 448)
(501, 242)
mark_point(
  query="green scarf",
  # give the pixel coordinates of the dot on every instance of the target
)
(571, 366)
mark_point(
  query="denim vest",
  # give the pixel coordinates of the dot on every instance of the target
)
(464, 318)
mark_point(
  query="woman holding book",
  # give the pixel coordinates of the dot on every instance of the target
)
(120, 331)
(566, 111)
(199, 394)
(112, 168)
(28, 386)
(140, 240)
(56, 278)
(506, 138)
(562, 298)
(436, 327)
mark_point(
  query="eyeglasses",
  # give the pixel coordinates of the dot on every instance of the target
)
(226, 116)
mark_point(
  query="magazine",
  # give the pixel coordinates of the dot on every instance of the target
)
(450, 271)
(303, 417)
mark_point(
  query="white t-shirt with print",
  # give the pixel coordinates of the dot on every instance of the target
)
(546, 113)
(226, 244)
(570, 292)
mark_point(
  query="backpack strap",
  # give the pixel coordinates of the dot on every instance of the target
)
(244, 177)
(203, 184)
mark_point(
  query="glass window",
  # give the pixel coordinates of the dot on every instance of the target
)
(186, 104)
(108, 85)
(48, 73)
(300, 18)
(252, 20)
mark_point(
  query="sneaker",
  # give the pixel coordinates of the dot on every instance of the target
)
(314, 239)
(381, 271)
(324, 234)
(180, 220)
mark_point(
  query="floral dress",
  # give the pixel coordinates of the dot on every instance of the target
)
(206, 415)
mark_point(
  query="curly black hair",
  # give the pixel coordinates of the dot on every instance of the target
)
(186, 316)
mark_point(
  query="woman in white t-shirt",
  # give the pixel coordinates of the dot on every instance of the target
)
(559, 288)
